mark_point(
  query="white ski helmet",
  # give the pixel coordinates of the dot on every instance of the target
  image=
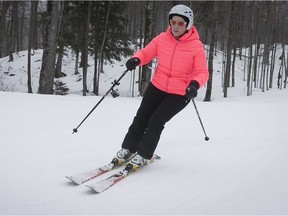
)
(183, 11)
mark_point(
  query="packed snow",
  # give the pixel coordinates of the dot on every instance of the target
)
(241, 170)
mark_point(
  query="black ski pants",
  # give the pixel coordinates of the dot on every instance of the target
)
(157, 108)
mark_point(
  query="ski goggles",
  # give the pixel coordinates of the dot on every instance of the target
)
(180, 23)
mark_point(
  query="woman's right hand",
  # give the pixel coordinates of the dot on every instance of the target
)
(132, 63)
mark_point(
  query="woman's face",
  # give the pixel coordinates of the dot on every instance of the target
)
(178, 26)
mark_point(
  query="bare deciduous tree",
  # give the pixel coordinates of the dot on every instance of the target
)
(47, 72)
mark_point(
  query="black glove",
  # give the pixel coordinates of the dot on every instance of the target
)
(191, 90)
(132, 63)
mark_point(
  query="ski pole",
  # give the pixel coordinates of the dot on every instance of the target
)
(114, 94)
(206, 137)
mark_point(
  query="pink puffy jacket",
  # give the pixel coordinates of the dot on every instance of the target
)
(179, 61)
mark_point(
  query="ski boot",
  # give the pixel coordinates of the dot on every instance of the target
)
(135, 162)
(122, 156)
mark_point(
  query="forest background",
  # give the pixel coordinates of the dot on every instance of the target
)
(112, 30)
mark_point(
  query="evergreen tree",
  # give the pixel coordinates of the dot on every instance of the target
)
(109, 40)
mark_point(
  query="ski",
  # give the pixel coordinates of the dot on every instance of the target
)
(87, 176)
(103, 185)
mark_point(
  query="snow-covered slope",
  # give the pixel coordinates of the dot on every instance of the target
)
(241, 170)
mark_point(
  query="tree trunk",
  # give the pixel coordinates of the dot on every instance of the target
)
(34, 44)
(60, 50)
(15, 27)
(85, 47)
(96, 75)
(12, 30)
(59, 62)
(148, 33)
(235, 36)
(229, 49)
(211, 54)
(49, 52)
(76, 62)
(273, 59)
(5, 6)
(282, 68)
(249, 81)
(21, 26)
(100, 60)
(32, 28)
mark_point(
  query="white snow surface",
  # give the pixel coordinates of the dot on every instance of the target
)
(241, 170)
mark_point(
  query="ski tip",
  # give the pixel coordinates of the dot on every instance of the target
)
(73, 180)
(93, 189)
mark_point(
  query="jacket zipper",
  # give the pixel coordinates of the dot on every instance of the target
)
(169, 75)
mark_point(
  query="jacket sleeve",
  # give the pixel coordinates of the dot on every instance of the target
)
(149, 52)
(201, 73)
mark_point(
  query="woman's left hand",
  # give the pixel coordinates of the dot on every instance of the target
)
(192, 89)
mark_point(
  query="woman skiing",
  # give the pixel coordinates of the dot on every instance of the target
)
(181, 70)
